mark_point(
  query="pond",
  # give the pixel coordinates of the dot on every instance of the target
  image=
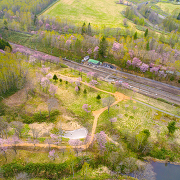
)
(166, 171)
(76, 134)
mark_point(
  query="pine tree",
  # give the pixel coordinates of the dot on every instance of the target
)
(103, 47)
(89, 29)
(147, 46)
(83, 28)
(146, 33)
(55, 77)
(135, 35)
(5, 24)
(98, 97)
(178, 17)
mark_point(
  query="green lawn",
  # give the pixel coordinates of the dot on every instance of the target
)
(102, 12)
(167, 7)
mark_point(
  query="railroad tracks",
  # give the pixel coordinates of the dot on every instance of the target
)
(142, 85)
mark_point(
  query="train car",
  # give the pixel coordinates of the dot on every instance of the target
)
(109, 65)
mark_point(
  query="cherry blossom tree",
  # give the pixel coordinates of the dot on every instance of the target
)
(89, 51)
(75, 143)
(3, 148)
(93, 82)
(45, 83)
(49, 76)
(77, 88)
(112, 120)
(144, 67)
(53, 89)
(101, 140)
(86, 108)
(52, 155)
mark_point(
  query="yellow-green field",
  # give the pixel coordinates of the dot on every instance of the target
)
(168, 7)
(101, 12)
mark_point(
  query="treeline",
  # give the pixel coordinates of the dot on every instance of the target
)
(12, 73)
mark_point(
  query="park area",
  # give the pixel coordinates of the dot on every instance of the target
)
(56, 99)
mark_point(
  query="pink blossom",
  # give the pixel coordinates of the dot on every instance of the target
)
(128, 63)
(48, 26)
(144, 67)
(52, 154)
(53, 89)
(113, 119)
(76, 89)
(154, 69)
(136, 62)
(40, 22)
(96, 49)
(49, 76)
(86, 107)
(116, 46)
(45, 82)
(89, 51)
(93, 82)
(101, 140)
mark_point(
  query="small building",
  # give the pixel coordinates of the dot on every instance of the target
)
(94, 62)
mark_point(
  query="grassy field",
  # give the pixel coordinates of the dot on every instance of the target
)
(102, 12)
(167, 7)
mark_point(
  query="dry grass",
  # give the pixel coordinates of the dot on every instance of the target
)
(167, 7)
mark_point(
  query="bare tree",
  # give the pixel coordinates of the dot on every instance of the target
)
(17, 126)
(108, 101)
(35, 133)
(3, 128)
(52, 103)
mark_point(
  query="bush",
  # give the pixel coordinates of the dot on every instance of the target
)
(98, 97)
(85, 91)
(60, 80)
(40, 117)
(172, 78)
(179, 81)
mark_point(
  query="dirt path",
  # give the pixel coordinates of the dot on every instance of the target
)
(118, 96)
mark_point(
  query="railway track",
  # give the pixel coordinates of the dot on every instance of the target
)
(144, 86)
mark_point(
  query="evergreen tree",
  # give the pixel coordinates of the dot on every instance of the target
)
(171, 127)
(146, 33)
(98, 97)
(35, 19)
(5, 24)
(103, 47)
(147, 46)
(178, 17)
(89, 29)
(85, 91)
(135, 35)
(83, 28)
(55, 77)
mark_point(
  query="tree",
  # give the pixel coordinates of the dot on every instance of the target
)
(35, 19)
(52, 154)
(103, 47)
(5, 24)
(86, 108)
(146, 33)
(60, 80)
(17, 126)
(113, 120)
(55, 77)
(171, 127)
(98, 97)
(52, 103)
(178, 17)
(83, 31)
(75, 143)
(53, 89)
(147, 46)
(135, 35)
(89, 30)
(101, 140)
(85, 91)
(107, 102)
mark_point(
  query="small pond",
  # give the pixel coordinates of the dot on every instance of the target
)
(76, 134)
(166, 171)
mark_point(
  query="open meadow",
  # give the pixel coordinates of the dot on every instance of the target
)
(103, 13)
(167, 7)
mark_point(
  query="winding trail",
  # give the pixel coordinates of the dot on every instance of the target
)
(118, 96)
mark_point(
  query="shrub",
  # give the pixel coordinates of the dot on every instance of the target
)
(172, 78)
(85, 91)
(179, 81)
(98, 97)
(55, 77)
(60, 80)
